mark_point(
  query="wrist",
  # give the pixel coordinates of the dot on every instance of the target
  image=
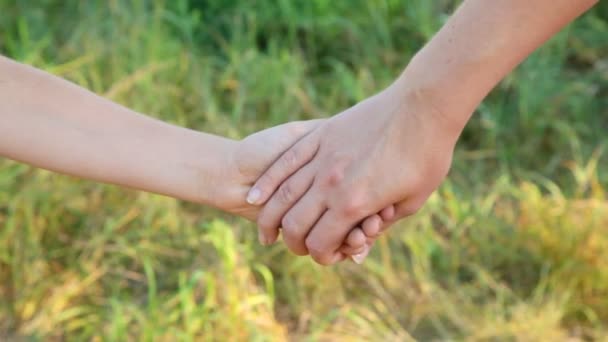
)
(429, 106)
(228, 183)
(216, 182)
(447, 91)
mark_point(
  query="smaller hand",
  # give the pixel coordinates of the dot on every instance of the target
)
(253, 155)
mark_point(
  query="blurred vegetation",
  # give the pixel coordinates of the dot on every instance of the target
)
(512, 246)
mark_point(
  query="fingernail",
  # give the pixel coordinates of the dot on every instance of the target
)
(358, 258)
(254, 196)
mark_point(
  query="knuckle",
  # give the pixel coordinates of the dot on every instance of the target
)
(312, 245)
(297, 128)
(335, 177)
(289, 224)
(285, 193)
(354, 207)
(317, 252)
(290, 158)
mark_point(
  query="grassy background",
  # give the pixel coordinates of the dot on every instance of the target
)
(512, 246)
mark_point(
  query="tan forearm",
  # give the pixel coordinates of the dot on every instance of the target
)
(481, 43)
(53, 124)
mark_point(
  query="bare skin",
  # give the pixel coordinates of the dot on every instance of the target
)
(53, 124)
(396, 147)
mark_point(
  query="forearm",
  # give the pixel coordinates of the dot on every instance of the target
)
(53, 124)
(480, 44)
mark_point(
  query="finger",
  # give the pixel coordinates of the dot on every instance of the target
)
(407, 208)
(354, 242)
(254, 155)
(350, 251)
(287, 164)
(388, 213)
(355, 238)
(299, 220)
(303, 127)
(269, 219)
(399, 210)
(326, 237)
(372, 226)
(286, 135)
(360, 257)
(340, 257)
(370, 241)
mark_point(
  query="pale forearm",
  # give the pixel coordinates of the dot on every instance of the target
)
(53, 124)
(481, 43)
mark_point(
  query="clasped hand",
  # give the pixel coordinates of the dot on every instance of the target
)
(350, 177)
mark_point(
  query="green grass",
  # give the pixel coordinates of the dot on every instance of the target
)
(512, 246)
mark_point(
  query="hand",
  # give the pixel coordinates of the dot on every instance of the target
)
(252, 156)
(393, 148)
(257, 152)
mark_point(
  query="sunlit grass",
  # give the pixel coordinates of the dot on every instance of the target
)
(512, 246)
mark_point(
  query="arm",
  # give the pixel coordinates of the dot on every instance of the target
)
(396, 147)
(53, 124)
(481, 43)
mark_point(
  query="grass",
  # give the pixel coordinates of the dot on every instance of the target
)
(511, 247)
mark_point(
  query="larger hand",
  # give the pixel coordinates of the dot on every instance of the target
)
(256, 153)
(391, 148)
